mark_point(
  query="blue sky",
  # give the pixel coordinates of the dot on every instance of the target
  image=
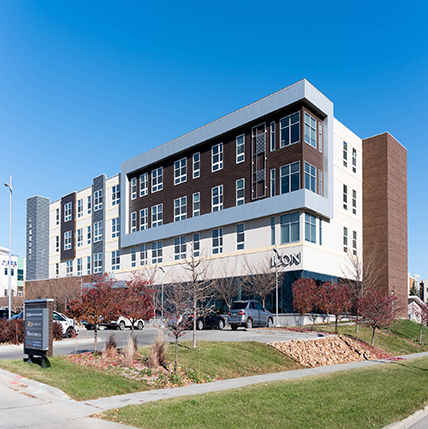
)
(87, 85)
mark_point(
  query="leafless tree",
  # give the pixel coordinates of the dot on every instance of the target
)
(227, 286)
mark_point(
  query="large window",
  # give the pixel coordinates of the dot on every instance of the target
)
(272, 136)
(144, 184)
(133, 257)
(310, 177)
(88, 234)
(240, 236)
(57, 244)
(133, 221)
(217, 241)
(320, 139)
(80, 237)
(143, 254)
(354, 160)
(180, 209)
(345, 197)
(320, 182)
(98, 200)
(89, 204)
(345, 239)
(289, 128)
(79, 267)
(80, 208)
(144, 219)
(115, 227)
(98, 263)
(217, 157)
(240, 192)
(157, 179)
(180, 171)
(272, 231)
(115, 260)
(345, 154)
(217, 198)
(67, 240)
(196, 245)
(180, 248)
(133, 188)
(196, 165)
(354, 201)
(290, 177)
(98, 231)
(88, 265)
(310, 130)
(272, 183)
(240, 148)
(354, 243)
(196, 204)
(157, 215)
(157, 252)
(115, 195)
(57, 216)
(290, 228)
(69, 269)
(310, 228)
(67, 212)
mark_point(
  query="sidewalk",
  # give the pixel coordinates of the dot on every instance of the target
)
(41, 405)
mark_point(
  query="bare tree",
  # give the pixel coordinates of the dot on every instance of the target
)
(227, 287)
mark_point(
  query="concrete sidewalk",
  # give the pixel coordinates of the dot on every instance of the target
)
(26, 403)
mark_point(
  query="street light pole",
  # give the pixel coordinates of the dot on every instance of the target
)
(276, 278)
(9, 185)
(163, 272)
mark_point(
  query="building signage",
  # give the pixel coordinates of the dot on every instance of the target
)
(287, 260)
(6, 263)
(36, 333)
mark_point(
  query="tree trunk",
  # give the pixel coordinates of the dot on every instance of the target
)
(176, 354)
(336, 330)
(420, 334)
(357, 322)
(301, 320)
(373, 334)
(95, 336)
(194, 324)
(132, 328)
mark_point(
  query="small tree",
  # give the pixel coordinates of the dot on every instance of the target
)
(227, 287)
(304, 296)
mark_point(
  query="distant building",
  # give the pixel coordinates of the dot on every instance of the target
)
(17, 273)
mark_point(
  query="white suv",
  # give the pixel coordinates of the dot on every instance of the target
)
(123, 323)
(69, 327)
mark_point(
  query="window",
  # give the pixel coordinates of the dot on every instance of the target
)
(144, 184)
(80, 237)
(320, 232)
(240, 191)
(345, 197)
(98, 200)
(67, 240)
(89, 234)
(133, 257)
(240, 236)
(217, 198)
(115, 195)
(240, 148)
(180, 248)
(320, 139)
(57, 269)
(217, 157)
(354, 243)
(98, 231)
(310, 228)
(57, 216)
(196, 165)
(289, 128)
(272, 136)
(57, 244)
(79, 266)
(290, 228)
(157, 179)
(80, 208)
(157, 252)
(180, 209)
(196, 204)
(272, 231)
(345, 154)
(290, 177)
(67, 212)
(310, 130)
(354, 201)
(217, 241)
(143, 254)
(320, 182)
(354, 160)
(69, 268)
(196, 245)
(133, 188)
(144, 219)
(115, 260)
(180, 171)
(115, 227)
(88, 265)
(98, 263)
(272, 183)
(89, 204)
(310, 177)
(345, 239)
(157, 215)
(133, 221)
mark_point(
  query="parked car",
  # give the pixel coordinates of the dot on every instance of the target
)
(211, 320)
(4, 313)
(121, 323)
(248, 314)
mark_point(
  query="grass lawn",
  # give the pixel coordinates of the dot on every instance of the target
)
(362, 398)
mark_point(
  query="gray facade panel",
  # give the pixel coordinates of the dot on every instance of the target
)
(99, 216)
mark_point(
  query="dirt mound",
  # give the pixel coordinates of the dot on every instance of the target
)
(325, 351)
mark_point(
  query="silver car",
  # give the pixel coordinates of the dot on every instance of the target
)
(249, 313)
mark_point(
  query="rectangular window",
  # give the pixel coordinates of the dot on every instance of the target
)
(354, 202)
(133, 257)
(57, 217)
(115, 227)
(354, 243)
(345, 154)
(144, 219)
(157, 252)
(217, 241)
(320, 232)
(196, 245)
(98, 231)
(272, 231)
(98, 263)
(310, 228)
(180, 248)
(320, 139)
(69, 268)
(67, 212)
(289, 129)
(240, 236)
(217, 198)
(143, 254)
(57, 269)
(115, 195)
(57, 244)
(157, 179)
(196, 165)
(79, 266)
(272, 136)
(240, 148)
(133, 221)
(98, 200)
(217, 157)
(196, 204)
(180, 209)
(310, 177)
(240, 192)
(272, 183)
(88, 265)
(345, 239)
(89, 204)
(133, 188)
(88, 235)
(310, 130)
(115, 260)
(180, 171)
(345, 197)
(80, 208)
(80, 237)
(67, 240)
(290, 177)
(354, 160)
(320, 182)
(290, 228)
(144, 184)
(157, 215)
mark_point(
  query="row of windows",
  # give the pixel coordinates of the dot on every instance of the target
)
(12, 273)
(354, 199)
(346, 236)
(345, 157)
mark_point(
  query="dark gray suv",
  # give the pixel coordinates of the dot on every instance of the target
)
(249, 313)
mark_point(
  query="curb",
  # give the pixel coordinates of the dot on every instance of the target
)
(409, 421)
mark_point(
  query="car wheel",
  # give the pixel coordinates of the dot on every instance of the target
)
(140, 325)
(249, 323)
(199, 325)
(121, 325)
(234, 327)
(220, 324)
(89, 327)
(70, 332)
(269, 323)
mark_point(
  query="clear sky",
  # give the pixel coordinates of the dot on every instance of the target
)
(86, 85)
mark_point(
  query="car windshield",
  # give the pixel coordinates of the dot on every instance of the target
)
(239, 305)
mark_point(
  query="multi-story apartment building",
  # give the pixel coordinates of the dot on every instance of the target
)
(280, 175)
(17, 273)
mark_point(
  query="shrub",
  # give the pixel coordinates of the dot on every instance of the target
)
(176, 379)
(111, 346)
(57, 331)
(8, 331)
(158, 352)
(129, 352)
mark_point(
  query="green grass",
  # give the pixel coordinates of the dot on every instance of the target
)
(410, 330)
(361, 398)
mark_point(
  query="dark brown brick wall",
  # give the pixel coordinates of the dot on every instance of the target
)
(385, 211)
